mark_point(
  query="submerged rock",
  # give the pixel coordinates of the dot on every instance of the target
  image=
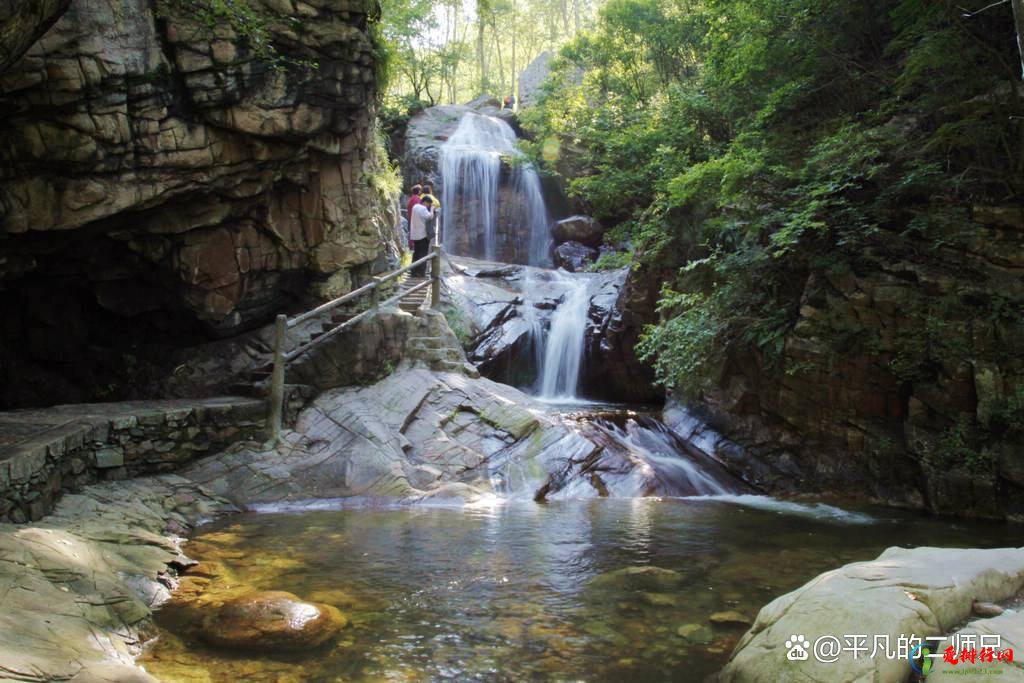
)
(274, 620)
(695, 633)
(730, 618)
(659, 599)
(656, 579)
(78, 587)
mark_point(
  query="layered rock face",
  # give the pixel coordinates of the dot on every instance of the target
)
(162, 183)
(901, 380)
(510, 310)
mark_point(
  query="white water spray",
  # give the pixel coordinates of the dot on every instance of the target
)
(563, 351)
(471, 168)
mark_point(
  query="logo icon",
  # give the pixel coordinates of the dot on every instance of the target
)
(797, 647)
(921, 652)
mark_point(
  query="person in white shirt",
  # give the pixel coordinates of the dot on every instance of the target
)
(421, 213)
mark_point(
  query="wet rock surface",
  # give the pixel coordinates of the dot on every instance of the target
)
(574, 256)
(510, 308)
(420, 434)
(429, 129)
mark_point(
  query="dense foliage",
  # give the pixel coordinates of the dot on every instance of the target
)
(744, 143)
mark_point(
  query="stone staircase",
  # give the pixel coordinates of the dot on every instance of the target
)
(417, 300)
(437, 353)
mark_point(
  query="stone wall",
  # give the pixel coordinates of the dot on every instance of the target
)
(161, 184)
(45, 452)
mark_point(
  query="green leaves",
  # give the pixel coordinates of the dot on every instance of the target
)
(763, 141)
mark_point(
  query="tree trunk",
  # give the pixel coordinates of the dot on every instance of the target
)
(513, 81)
(480, 59)
(501, 60)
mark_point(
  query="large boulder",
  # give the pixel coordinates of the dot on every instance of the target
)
(574, 256)
(420, 434)
(919, 592)
(582, 229)
(162, 183)
(272, 620)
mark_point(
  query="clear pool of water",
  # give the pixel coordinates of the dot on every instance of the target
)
(522, 590)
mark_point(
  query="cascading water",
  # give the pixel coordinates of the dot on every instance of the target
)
(471, 173)
(563, 350)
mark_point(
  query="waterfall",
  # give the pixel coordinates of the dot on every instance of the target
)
(563, 350)
(471, 169)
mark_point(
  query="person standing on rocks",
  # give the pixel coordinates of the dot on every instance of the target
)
(422, 214)
(428, 191)
(414, 199)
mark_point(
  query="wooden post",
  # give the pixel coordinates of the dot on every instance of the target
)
(435, 274)
(275, 408)
(375, 294)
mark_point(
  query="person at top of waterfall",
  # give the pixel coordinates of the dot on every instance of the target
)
(414, 199)
(432, 223)
(421, 214)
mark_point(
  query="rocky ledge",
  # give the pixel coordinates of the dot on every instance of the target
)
(420, 434)
(919, 592)
(77, 589)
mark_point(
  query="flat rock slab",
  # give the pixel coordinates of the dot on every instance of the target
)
(413, 433)
(920, 592)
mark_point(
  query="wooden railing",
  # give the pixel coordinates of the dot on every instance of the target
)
(275, 408)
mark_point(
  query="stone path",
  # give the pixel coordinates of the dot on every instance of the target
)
(46, 451)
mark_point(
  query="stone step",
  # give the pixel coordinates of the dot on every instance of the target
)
(439, 355)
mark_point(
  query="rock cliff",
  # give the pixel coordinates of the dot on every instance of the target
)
(163, 182)
(899, 379)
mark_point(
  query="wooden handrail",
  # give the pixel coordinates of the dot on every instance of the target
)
(356, 293)
(275, 408)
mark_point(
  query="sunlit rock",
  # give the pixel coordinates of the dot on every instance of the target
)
(274, 620)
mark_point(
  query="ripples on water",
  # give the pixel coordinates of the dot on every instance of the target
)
(520, 590)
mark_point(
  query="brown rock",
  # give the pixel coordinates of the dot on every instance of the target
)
(582, 229)
(274, 620)
(730, 618)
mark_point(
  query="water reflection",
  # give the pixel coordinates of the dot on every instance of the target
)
(595, 590)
